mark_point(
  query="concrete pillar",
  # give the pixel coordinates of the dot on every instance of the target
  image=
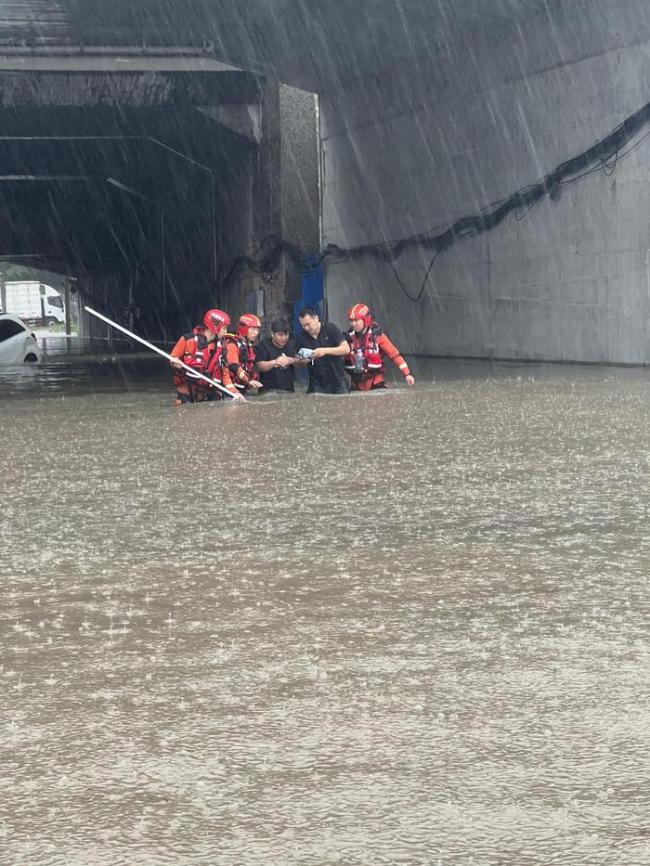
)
(66, 308)
(300, 183)
(286, 192)
(284, 205)
(267, 202)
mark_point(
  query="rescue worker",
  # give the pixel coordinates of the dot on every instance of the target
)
(368, 348)
(198, 349)
(238, 357)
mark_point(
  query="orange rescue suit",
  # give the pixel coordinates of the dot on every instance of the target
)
(195, 351)
(238, 360)
(365, 363)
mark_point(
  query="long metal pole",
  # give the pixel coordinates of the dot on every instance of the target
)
(153, 348)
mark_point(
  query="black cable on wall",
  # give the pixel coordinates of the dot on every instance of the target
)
(604, 156)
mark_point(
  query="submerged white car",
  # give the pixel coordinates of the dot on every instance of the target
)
(17, 343)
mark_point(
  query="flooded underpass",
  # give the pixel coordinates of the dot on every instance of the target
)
(407, 628)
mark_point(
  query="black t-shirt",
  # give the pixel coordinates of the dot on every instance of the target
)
(279, 378)
(326, 375)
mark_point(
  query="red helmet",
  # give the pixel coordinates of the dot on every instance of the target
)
(360, 311)
(248, 320)
(215, 320)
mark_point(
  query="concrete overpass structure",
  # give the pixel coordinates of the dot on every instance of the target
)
(430, 111)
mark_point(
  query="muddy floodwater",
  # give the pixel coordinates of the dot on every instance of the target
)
(408, 628)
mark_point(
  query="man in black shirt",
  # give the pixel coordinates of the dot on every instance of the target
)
(275, 357)
(329, 348)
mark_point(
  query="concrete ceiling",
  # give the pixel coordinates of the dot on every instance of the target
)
(314, 44)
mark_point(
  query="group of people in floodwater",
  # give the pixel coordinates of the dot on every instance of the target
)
(239, 363)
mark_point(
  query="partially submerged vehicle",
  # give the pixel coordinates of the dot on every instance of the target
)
(17, 343)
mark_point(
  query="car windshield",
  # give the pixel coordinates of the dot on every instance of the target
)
(9, 328)
(55, 301)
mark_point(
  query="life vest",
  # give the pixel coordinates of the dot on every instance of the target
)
(246, 355)
(365, 356)
(216, 365)
(197, 355)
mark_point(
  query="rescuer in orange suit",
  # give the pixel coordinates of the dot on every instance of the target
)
(200, 349)
(239, 354)
(368, 348)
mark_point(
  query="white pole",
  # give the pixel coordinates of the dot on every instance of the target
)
(153, 348)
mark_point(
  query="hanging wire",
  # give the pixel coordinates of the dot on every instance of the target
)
(604, 155)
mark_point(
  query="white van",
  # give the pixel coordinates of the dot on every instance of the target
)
(34, 302)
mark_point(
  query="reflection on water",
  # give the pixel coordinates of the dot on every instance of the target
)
(56, 345)
(407, 628)
(79, 366)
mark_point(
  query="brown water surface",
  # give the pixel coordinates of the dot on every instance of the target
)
(408, 628)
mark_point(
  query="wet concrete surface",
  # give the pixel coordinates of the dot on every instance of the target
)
(407, 628)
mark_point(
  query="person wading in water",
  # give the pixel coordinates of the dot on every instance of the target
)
(238, 357)
(274, 358)
(198, 350)
(368, 348)
(322, 346)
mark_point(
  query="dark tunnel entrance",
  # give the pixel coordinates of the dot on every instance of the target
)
(145, 187)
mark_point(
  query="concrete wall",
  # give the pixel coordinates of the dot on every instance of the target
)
(427, 142)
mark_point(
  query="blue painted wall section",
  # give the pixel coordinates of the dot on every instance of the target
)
(312, 293)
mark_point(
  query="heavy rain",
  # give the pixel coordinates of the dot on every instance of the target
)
(332, 622)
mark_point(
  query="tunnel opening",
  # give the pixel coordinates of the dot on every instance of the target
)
(147, 186)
